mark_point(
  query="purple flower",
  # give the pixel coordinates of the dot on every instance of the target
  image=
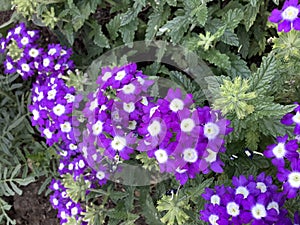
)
(290, 118)
(283, 149)
(287, 17)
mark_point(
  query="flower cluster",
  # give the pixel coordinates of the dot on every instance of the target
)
(64, 204)
(287, 17)
(123, 118)
(249, 201)
(287, 150)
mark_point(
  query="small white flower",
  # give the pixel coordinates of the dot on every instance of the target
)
(57, 66)
(36, 114)
(70, 98)
(190, 155)
(74, 211)
(118, 143)
(213, 219)
(31, 33)
(46, 62)
(233, 209)
(33, 53)
(120, 75)
(100, 175)
(132, 125)
(261, 186)
(71, 166)
(279, 150)
(106, 76)
(55, 201)
(51, 51)
(59, 109)
(81, 164)
(215, 200)
(176, 105)
(259, 211)
(25, 67)
(242, 190)
(51, 94)
(61, 166)
(97, 128)
(211, 130)
(154, 128)
(72, 146)
(294, 179)
(128, 89)
(9, 66)
(212, 156)
(17, 30)
(161, 156)
(273, 205)
(187, 125)
(55, 186)
(47, 133)
(296, 118)
(65, 127)
(24, 41)
(128, 107)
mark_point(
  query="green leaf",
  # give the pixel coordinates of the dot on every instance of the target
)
(156, 19)
(100, 39)
(172, 2)
(232, 18)
(262, 80)
(132, 13)
(113, 27)
(128, 32)
(250, 12)
(16, 123)
(175, 28)
(199, 11)
(238, 67)
(217, 58)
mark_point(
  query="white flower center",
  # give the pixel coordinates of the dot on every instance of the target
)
(55, 201)
(100, 175)
(33, 52)
(93, 105)
(51, 94)
(213, 219)
(296, 118)
(9, 66)
(290, 13)
(97, 128)
(74, 211)
(63, 215)
(65, 127)
(57, 66)
(25, 67)
(215, 200)
(161, 156)
(211, 130)
(52, 51)
(24, 41)
(116, 116)
(132, 125)
(187, 125)
(242, 190)
(120, 75)
(118, 143)
(144, 101)
(259, 211)
(212, 156)
(279, 150)
(71, 166)
(31, 33)
(81, 164)
(141, 80)
(59, 110)
(72, 146)
(128, 89)
(46, 62)
(70, 98)
(261, 186)
(17, 30)
(55, 186)
(36, 114)
(273, 205)
(233, 209)
(61, 166)
(190, 155)
(48, 133)
(176, 105)
(154, 128)
(294, 179)
(106, 76)
(129, 107)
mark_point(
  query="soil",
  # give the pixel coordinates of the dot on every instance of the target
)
(31, 208)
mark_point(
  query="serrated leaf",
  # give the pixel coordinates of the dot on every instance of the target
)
(132, 13)
(238, 67)
(263, 78)
(217, 58)
(128, 32)
(175, 28)
(100, 39)
(172, 2)
(250, 12)
(156, 19)
(113, 27)
(232, 18)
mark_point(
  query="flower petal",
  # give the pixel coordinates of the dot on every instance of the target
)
(284, 26)
(275, 16)
(296, 24)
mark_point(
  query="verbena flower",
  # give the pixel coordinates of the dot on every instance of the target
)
(293, 118)
(250, 201)
(288, 17)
